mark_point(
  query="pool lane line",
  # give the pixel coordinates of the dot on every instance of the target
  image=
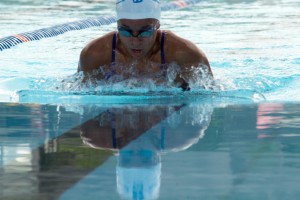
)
(13, 40)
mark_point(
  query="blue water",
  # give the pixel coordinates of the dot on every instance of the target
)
(166, 151)
(238, 139)
(251, 45)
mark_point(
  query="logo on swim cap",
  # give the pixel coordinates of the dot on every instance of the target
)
(138, 9)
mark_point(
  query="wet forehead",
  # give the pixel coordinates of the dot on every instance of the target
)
(137, 23)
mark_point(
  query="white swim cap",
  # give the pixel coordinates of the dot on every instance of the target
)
(139, 183)
(138, 9)
(138, 172)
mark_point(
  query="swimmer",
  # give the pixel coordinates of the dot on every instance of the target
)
(140, 42)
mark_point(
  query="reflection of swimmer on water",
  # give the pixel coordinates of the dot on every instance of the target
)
(140, 135)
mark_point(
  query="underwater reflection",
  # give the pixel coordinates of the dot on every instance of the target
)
(242, 148)
(140, 135)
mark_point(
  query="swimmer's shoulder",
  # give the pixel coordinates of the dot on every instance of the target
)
(101, 44)
(175, 42)
(96, 53)
(183, 50)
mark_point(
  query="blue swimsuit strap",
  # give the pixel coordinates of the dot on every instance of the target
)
(113, 58)
(162, 138)
(113, 129)
(113, 52)
(162, 51)
(114, 137)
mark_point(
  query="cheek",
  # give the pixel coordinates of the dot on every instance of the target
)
(125, 41)
(143, 43)
(148, 43)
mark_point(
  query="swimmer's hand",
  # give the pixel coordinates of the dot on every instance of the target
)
(185, 86)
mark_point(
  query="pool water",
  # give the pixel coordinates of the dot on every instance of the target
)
(251, 45)
(180, 151)
(239, 140)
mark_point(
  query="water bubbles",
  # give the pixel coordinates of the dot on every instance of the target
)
(121, 79)
(128, 80)
(172, 72)
(199, 77)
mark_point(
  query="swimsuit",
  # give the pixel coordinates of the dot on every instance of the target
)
(116, 146)
(113, 54)
(110, 117)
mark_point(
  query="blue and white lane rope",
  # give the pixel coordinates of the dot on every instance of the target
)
(13, 40)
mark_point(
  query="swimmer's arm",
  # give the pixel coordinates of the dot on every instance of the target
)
(192, 56)
(96, 56)
(88, 60)
(189, 58)
(89, 63)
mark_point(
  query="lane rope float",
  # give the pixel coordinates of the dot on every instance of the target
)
(13, 40)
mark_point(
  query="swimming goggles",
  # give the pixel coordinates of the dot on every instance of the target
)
(141, 33)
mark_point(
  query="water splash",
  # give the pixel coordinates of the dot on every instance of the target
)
(131, 85)
(131, 80)
(155, 85)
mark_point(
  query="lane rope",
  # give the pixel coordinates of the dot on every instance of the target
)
(13, 40)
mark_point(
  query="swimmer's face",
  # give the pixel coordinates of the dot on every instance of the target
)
(138, 36)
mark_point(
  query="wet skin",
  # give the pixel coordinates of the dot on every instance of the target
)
(143, 52)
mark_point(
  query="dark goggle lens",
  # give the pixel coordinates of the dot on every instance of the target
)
(142, 33)
(146, 33)
(124, 32)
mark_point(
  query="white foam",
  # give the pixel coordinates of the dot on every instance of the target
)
(9, 87)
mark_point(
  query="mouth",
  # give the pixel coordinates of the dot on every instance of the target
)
(136, 52)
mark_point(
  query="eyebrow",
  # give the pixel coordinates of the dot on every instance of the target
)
(143, 27)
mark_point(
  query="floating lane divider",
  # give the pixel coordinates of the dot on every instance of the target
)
(13, 40)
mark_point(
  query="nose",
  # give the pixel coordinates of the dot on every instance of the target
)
(135, 33)
(136, 40)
